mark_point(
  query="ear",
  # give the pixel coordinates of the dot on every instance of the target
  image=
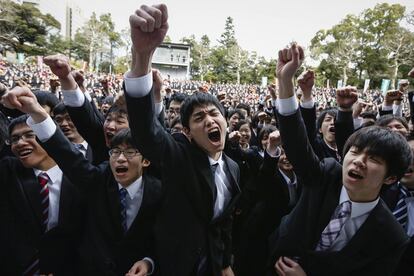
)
(145, 163)
(390, 180)
(186, 131)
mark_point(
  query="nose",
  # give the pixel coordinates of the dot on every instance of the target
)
(121, 158)
(209, 120)
(360, 161)
(111, 125)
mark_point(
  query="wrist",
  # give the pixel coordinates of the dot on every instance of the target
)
(141, 65)
(68, 83)
(38, 114)
(286, 88)
(345, 109)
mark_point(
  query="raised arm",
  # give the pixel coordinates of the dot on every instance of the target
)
(292, 128)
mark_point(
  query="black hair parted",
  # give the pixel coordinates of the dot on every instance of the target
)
(123, 136)
(245, 107)
(240, 123)
(381, 142)
(386, 119)
(46, 98)
(59, 109)
(17, 121)
(121, 109)
(195, 100)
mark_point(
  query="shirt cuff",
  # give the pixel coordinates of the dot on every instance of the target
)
(73, 98)
(88, 96)
(275, 154)
(357, 122)
(386, 107)
(138, 87)
(152, 265)
(43, 130)
(309, 104)
(158, 108)
(287, 106)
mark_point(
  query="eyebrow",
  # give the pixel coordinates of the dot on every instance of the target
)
(200, 113)
(26, 132)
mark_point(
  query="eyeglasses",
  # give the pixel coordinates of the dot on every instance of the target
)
(25, 137)
(128, 153)
(174, 110)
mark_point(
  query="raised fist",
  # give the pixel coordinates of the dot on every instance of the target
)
(346, 97)
(306, 82)
(59, 65)
(290, 59)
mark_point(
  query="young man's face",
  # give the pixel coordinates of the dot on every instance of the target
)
(397, 126)
(408, 178)
(173, 110)
(283, 163)
(328, 128)
(245, 134)
(25, 147)
(114, 122)
(363, 175)
(127, 166)
(68, 128)
(207, 128)
(233, 120)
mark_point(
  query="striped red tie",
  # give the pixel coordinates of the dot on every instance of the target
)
(43, 178)
(44, 197)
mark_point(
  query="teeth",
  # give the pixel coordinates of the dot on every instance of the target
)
(25, 152)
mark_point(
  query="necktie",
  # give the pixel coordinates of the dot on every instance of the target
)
(400, 210)
(214, 168)
(122, 198)
(79, 147)
(43, 178)
(331, 231)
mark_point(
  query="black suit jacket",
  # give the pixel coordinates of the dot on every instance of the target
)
(406, 266)
(105, 249)
(185, 229)
(273, 203)
(20, 232)
(376, 247)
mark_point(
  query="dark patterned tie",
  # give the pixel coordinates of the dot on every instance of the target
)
(43, 178)
(331, 231)
(400, 211)
(122, 198)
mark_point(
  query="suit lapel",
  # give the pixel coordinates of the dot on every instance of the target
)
(65, 200)
(114, 206)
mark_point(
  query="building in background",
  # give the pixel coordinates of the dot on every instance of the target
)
(173, 60)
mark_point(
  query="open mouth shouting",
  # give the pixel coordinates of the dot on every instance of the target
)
(332, 129)
(121, 170)
(108, 136)
(355, 175)
(214, 135)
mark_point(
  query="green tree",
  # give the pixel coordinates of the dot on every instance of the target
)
(23, 28)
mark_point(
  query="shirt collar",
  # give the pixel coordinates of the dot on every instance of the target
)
(358, 208)
(54, 173)
(133, 188)
(287, 179)
(84, 144)
(220, 160)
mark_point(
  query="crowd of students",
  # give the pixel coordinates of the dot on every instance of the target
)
(171, 178)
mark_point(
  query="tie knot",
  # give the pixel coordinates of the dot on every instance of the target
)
(214, 167)
(122, 193)
(43, 178)
(345, 209)
(79, 147)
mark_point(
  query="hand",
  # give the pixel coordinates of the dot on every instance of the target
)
(306, 82)
(288, 63)
(274, 142)
(140, 268)
(157, 85)
(403, 86)
(272, 91)
(346, 97)
(391, 96)
(288, 267)
(234, 136)
(23, 99)
(411, 73)
(149, 25)
(79, 79)
(60, 66)
(227, 272)
(3, 89)
(358, 108)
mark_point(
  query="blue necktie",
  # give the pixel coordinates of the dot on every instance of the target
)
(122, 198)
(400, 210)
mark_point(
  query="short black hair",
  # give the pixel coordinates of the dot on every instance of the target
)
(331, 111)
(123, 136)
(240, 123)
(245, 107)
(117, 109)
(46, 98)
(390, 146)
(236, 111)
(60, 108)
(195, 100)
(369, 115)
(386, 119)
(178, 97)
(17, 121)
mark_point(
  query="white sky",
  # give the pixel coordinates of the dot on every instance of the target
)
(263, 26)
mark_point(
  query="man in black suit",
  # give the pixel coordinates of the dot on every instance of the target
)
(339, 226)
(193, 228)
(41, 220)
(121, 202)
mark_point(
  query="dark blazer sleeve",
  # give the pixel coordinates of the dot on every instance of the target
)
(344, 127)
(309, 119)
(297, 147)
(411, 101)
(89, 123)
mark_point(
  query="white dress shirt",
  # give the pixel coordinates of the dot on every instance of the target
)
(222, 182)
(359, 213)
(133, 199)
(410, 219)
(54, 185)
